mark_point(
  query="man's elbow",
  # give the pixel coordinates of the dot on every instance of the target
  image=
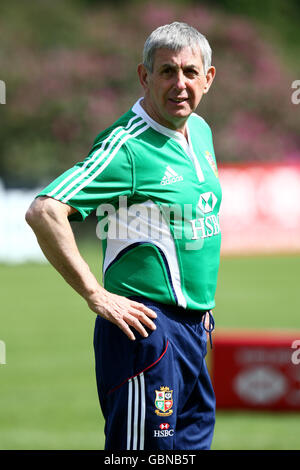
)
(45, 210)
(35, 213)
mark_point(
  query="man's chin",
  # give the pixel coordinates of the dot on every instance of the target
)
(179, 117)
(180, 112)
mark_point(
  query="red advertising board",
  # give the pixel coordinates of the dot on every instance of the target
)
(260, 211)
(256, 370)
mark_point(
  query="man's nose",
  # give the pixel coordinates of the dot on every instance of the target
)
(180, 81)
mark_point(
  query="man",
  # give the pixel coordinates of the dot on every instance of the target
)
(150, 336)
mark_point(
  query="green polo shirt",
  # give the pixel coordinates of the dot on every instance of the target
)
(157, 198)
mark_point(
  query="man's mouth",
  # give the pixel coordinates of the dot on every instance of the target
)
(178, 100)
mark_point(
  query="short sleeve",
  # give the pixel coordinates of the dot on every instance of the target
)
(104, 175)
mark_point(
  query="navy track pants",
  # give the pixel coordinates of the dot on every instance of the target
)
(155, 393)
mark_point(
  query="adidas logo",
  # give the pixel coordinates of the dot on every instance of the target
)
(170, 176)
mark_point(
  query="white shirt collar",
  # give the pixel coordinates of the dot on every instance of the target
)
(178, 136)
(139, 110)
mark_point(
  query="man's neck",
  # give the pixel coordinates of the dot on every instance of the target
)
(182, 129)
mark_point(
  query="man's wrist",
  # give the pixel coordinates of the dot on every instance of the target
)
(92, 294)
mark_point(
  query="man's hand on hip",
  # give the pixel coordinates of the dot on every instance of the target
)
(123, 312)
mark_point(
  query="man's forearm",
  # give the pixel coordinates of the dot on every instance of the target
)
(49, 221)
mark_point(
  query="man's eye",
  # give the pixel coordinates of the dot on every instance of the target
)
(167, 71)
(190, 72)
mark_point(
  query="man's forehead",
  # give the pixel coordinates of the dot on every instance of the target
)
(185, 56)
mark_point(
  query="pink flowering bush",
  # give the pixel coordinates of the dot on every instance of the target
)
(70, 71)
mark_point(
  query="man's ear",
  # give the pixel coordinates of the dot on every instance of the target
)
(143, 76)
(211, 73)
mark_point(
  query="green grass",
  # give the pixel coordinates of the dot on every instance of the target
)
(48, 397)
(256, 431)
(259, 292)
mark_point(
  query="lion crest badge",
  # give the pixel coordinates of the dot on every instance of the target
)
(164, 401)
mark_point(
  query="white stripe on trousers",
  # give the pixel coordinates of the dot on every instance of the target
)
(136, 412)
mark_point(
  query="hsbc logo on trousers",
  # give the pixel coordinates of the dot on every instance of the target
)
(164, 433)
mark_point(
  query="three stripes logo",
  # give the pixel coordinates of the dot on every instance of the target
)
(76, 180)
(136, 413)
(170, 176)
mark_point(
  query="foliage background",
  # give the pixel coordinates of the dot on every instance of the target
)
(70, 70)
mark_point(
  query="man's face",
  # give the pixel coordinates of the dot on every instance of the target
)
(175, 87)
